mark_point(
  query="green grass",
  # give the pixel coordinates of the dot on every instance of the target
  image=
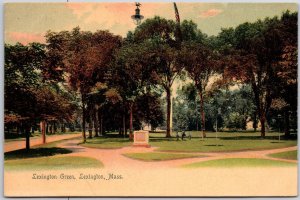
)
(241, 162)
(228, 134)
(289, 155)
(35, 152)
(220, 145)
(48, 149)
(226, 141)
(106, 143)
(158, 156)
(52, 163)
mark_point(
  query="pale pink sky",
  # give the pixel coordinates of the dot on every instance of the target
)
(28, 22)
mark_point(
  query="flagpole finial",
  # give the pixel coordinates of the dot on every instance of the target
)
(176, 13)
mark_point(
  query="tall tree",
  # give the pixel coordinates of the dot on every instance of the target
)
(85, 57)
(27, 97)
(163, 40)
(254, 54)
(131, 76)
(200, 63)
(21, 80)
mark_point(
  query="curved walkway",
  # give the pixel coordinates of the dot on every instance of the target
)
(113, 158)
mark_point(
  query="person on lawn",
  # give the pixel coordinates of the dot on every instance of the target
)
(183, 135)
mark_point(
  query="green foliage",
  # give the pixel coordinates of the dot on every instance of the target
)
(27, 97)
(253, 55)
(231, 108)
(149, 110)
(116, 77)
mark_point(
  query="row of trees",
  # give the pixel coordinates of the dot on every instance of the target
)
(114, 83)
(226, 109)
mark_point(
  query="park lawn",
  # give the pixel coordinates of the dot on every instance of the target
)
(106, 143)
(159, 156)
(240, 162)
(48, 149)
(52, 163)
(35, 152)
(218, 145)
(289, 155)
(225, 134)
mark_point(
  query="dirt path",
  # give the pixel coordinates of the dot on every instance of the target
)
(20, 144)
(162, 178)
(114, 159)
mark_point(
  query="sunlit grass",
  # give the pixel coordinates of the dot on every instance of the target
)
(241, 162)
(227, 134)
(53, 163)
(159, 156)
(106, 143)
(217, 145)
(224, 142)
(289, 155)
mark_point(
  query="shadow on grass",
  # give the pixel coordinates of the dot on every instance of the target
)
(33, 153)
(101, 140)
(277, 142)
(214, 145)
(159, 139)
(255, 138)
(112, 135)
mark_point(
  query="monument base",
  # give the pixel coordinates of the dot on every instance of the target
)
(142, 145)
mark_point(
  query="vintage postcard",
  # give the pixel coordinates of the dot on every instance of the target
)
(136, 99)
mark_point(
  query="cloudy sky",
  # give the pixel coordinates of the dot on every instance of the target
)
(28, 22)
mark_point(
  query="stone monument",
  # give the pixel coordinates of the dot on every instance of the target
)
(141, 138)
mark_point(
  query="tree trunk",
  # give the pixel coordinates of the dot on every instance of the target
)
(63, 127)
(263, 124)
(124, 124)
(101, 125)
(51, 128)
(27, 133)
(255, 121)
(168, 91)
(202, 115)
(54, 128)
(19, 130)
(130, 123)
(90, 129)
(47, 128)
(83, 118)
(100, 122)
(43, 127)
(96, 122)
(286, 123)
